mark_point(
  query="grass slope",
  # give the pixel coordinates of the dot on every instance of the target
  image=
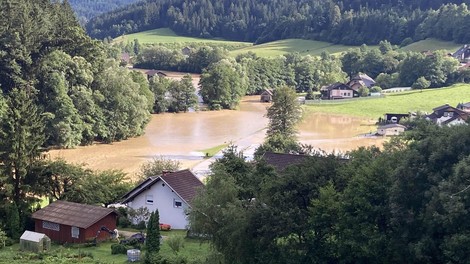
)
(166, 35)
(284, 46)
(403, 102)
(432, 44)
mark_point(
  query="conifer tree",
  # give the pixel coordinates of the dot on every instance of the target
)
(152, 241)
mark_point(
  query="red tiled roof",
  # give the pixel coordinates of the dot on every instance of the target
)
(184, 183)
(72, 214)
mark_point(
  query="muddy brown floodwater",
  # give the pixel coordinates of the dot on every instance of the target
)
(184, 136)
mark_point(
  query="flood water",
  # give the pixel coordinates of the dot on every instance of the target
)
(184, 136)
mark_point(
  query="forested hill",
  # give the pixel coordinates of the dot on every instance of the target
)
(86, 9)
(346, 22)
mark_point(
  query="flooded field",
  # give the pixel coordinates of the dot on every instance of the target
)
(183, 136)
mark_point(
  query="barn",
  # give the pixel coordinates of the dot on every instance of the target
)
(67, 222)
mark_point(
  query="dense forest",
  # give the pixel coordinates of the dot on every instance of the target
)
(86, 9)
(345, 22)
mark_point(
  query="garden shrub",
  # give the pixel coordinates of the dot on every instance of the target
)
(118, 249)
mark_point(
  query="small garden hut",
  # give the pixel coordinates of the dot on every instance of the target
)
(35, 242)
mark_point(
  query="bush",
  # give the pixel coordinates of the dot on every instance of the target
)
(118, 249)
(375, 89)
(140, 226)
(175, 243)
(124, 222)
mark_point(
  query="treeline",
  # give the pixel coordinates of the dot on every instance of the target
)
(406, 203)
(79, 95)
(87, 9)
(345, 22)
(225, 80)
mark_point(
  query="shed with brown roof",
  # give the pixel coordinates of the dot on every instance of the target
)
(67, 222)
(171, 193)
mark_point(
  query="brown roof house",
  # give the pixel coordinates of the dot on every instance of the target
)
(338, 91)
(152, 73)
(171, 193)
(67, 222)
(361, 80)
(266, 96)
(448, 115)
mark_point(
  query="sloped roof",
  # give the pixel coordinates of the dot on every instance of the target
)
(336, 85)
(184, 183)
(280, 161)
(32, 236)
(72, 214)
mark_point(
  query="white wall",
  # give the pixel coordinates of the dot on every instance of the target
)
(163, 199)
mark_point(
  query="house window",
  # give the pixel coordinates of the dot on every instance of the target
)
(149, 199)
(75, 232)
(177, 203)
(50, 226)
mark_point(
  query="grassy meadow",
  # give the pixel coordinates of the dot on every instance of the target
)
(193, 249)
(432, 44)
(167, 37)
(302, 46)
(403, 102)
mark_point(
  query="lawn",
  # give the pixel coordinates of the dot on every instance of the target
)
(284, 46)
(210, 152)
(403, 102)
(432, 44)
(193, 250)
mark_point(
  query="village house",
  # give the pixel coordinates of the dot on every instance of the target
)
(152, 73)
(171, 193)
(361, 80)
(338, 91)
(448, 115)
(391, 130)
(266, 96)
(67, 222)
(464, 107)
(463, 54)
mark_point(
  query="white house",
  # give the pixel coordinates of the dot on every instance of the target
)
(391, 130)
(448, 115)
(171, 193)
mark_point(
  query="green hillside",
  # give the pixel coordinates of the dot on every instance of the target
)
(167, 37)
(432, 44)
(302, 46)
(403, 102)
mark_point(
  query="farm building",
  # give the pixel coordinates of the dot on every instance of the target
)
(266, 96)
(338, 91)
(67, 222)
(171, 193)
(361, 80)
(391, 130)
(35, 242)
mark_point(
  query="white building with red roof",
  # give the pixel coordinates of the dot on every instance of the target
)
(171, 193)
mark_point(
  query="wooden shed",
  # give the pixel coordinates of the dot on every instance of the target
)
(35, 242)
(266, 96)
(67, 222)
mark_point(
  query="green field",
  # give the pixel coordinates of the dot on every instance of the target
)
(193, 249)
(432, 44)
(301, 46)
(403, 102)
(166, 36)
